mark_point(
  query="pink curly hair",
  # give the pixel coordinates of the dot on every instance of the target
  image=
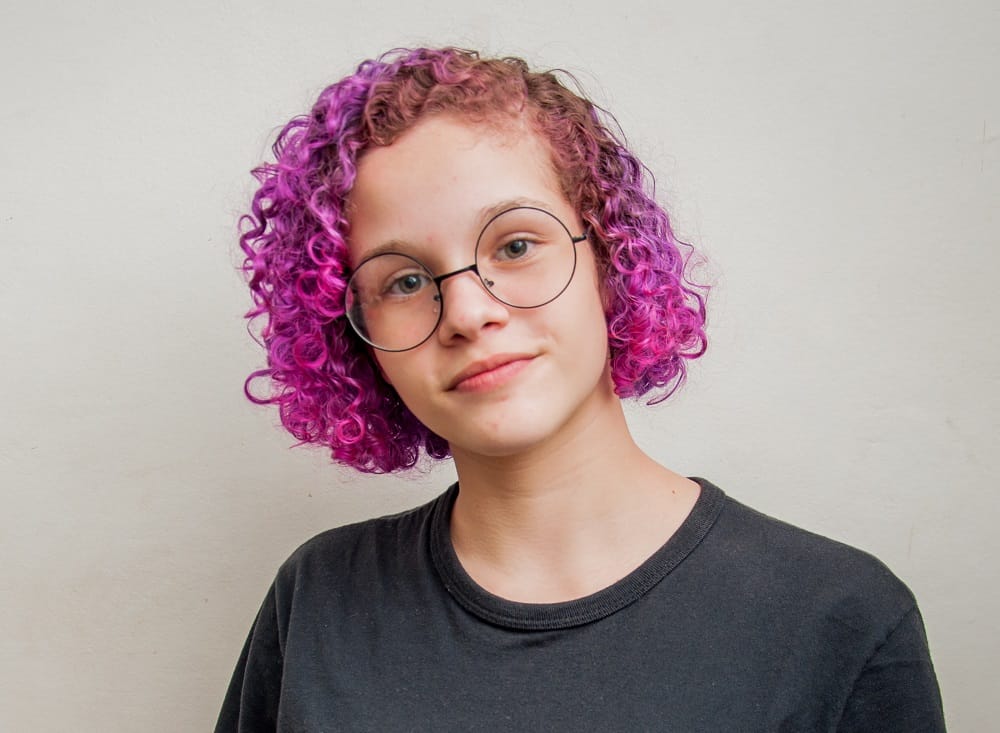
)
(323, 377)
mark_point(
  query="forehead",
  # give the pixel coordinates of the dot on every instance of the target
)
(444, 178)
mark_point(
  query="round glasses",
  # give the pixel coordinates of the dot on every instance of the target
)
(525, 258)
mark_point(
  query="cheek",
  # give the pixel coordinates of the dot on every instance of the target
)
(387, 366)
(375, 356)
(403, 372)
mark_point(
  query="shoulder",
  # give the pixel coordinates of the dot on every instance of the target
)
(847, 631)
(358, 549)
(773, 557)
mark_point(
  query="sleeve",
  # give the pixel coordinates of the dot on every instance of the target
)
(251, 703)
(896, 690)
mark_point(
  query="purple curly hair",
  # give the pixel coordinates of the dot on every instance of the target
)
(323, 378)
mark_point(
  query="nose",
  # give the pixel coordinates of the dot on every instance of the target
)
(467, 307)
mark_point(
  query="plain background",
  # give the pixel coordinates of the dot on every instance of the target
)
(838, 163)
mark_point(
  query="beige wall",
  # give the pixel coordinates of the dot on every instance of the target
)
(839, 164)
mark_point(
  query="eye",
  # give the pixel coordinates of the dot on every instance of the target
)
(514, 249)
(410, 283)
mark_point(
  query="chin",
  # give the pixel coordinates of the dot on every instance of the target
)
(509, 433)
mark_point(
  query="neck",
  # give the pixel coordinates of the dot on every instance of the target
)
(568, 517)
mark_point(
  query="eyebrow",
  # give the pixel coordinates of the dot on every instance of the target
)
(489, 212)
(401, 246)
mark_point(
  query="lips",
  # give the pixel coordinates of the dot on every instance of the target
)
(478, 373)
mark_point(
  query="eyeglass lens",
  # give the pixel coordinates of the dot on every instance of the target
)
(525, 258)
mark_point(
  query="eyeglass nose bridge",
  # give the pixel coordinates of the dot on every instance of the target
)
(474, 267)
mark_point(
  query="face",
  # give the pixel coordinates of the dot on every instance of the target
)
(492, 379)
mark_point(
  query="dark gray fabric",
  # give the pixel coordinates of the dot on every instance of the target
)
(738, 623)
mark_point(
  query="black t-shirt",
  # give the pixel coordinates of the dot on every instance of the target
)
(738, 623)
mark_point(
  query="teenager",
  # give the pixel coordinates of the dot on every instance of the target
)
(457, 256)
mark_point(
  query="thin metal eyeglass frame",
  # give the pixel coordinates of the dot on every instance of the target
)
(474, 267)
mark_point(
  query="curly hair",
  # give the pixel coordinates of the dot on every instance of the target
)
(323, 378)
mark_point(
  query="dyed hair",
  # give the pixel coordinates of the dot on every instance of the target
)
(323, 378)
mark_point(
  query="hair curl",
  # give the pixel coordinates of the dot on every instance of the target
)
(323, 377)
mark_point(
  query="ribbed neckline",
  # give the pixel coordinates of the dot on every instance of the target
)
(543, 616)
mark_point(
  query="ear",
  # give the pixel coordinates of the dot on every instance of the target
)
(602, 265)
(603, 276)
(605, 292)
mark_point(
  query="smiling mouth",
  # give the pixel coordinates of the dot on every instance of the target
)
(490, 373)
